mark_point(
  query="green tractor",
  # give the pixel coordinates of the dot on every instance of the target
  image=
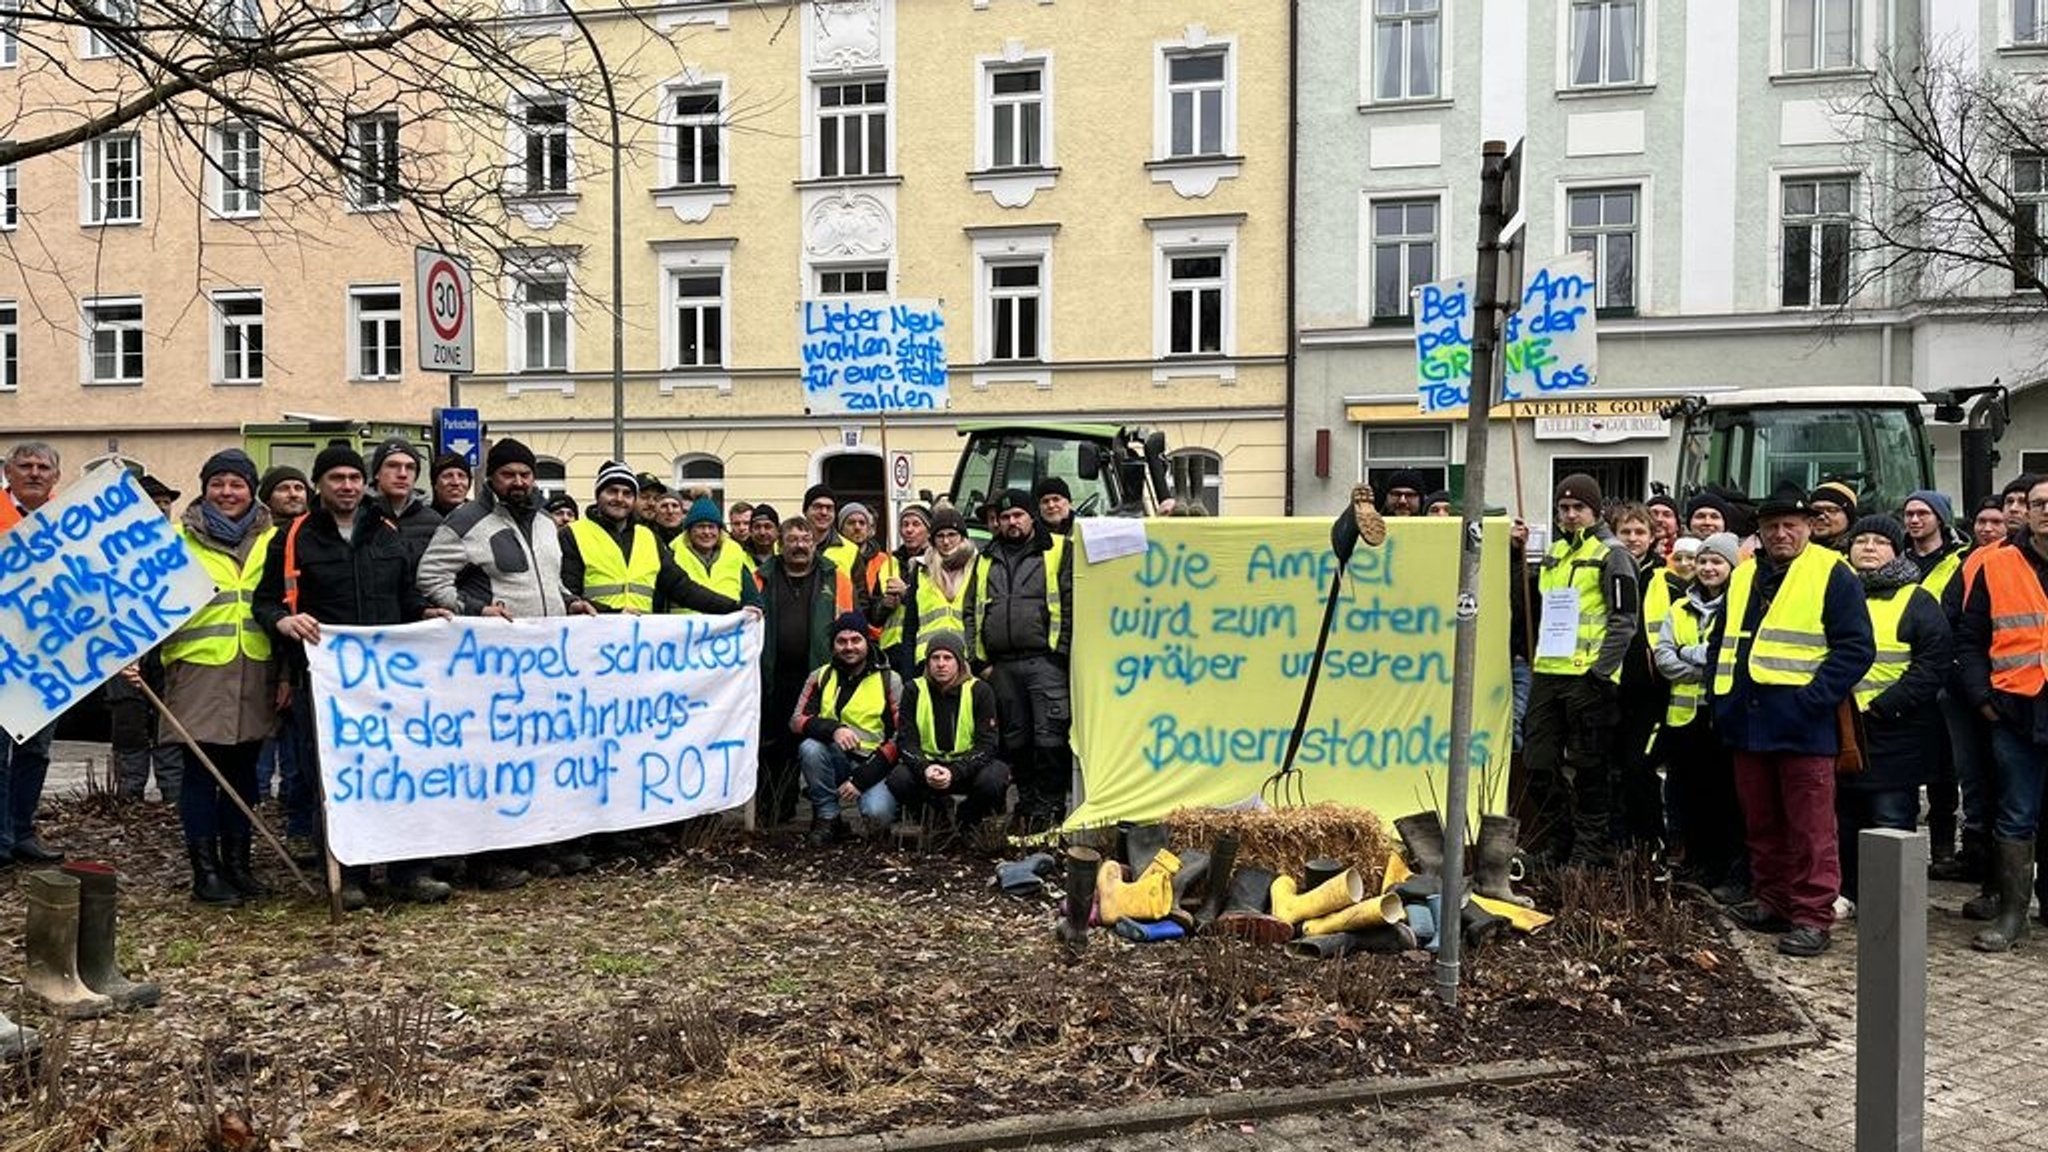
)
(1110, 469)
(296, 440)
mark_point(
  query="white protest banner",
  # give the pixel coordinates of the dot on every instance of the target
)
(445, 738)
(1550, 344)
(88, 583)
(1443, 344)
(873, 355)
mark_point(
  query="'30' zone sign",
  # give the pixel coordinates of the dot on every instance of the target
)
(447, 324)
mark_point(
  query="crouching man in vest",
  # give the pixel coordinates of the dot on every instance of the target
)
(846, 716)
(1793, 643)
(2003, 653)
(948, 745)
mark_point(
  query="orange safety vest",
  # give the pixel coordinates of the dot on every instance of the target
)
(2019, 624)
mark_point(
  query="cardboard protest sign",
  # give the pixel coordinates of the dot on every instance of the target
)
(873, 355)
(445, 738)
(1189, 661)
(88, 583)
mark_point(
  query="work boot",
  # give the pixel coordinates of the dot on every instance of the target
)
(30, 849)
(1984, 905)
(1966, 865)
(2015, 859)
(1244, 912)
(1422, 837)
(1141, 842)
(1222, 862)
(97, 966)
(208, 886)
(1082, 865)
(17, 1040)
(1479, 927)
(1493, 860)
(419, 888)
(235, 867)
(52, 943)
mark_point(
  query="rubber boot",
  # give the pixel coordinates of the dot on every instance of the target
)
(1967, 865)
(1244, 912)
(98, 891)
(1319, 872)
(1194, 868)
(1222, 863)
(1494, 859)
(17, 1040)
(1479, 926)
(1984, 905)
(2015, 891)
(1342, 891)
(208, 887)
(235, 866)
(1082, 865)
(1386, 908)
(1141, 842)
(1148, 897)
(1422, 835)
(52, 942)
(1330, 945)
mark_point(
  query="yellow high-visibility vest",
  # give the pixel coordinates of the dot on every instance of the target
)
(1580, 567)
(609, 577)
(1791, 641)
(963, 719)
(1685, 698)
(1944, 570)
(226, 627)
(935, 613)
(729, 571)
(866, 710)
(1893, 656)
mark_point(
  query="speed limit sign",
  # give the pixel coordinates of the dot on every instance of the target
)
(447, 326)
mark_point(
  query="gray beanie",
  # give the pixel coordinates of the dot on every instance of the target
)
(1724, 545)
(855, 508)
(946, 639)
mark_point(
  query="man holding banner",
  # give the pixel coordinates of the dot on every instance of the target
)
(32, 471)
(340, 564)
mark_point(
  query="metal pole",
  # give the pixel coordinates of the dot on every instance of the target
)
(611, 100)
(1891, 990)
(1466, 659)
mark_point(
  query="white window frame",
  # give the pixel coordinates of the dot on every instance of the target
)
(714, 124)
(1210, 495)
(1858, 190)
(821, 117)
(520, 138)
(1225, 89)
(10, 33)
(1646, 48)
(2030, 191)
(1368, 458)
(2010, 13)
(10, 197)
(359, 314)
(1369, 255)
(10, 345)
(822, 276)
(993, 108)
(125, 330)
(95, 198)
(1001, 298)
(364, 178)
(122, 13)
(525, 311)
(1193, 236)
(1863, 38)
(1640, 187)
(230, 364)
(678, 258)
(1368, 56)
(368, 17)
(684, 482)
(994, 247)
(238, 19)
(1197, 43)
(233, 190)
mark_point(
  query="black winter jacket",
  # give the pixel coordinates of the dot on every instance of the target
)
(1015, 619)
(1902, 732)
(366, 579)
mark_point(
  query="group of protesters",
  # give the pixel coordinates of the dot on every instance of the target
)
(1731, 692)
(924, 679)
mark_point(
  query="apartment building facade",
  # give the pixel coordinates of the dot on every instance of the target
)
(1699, 151)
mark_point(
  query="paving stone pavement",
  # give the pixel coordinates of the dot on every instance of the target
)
(1987, 1065)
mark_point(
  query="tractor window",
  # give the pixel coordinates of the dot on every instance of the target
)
(996, 461)
(1880, 451)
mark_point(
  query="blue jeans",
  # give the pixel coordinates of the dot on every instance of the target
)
(1860, 808)
(1974, 769)
(297, 766)
(2021, 766)
(23, 767)
(1524, 679)
(825, 767)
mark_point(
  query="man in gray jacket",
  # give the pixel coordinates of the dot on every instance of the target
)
(497, 555)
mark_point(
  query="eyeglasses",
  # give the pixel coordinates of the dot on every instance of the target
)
(2037, 505)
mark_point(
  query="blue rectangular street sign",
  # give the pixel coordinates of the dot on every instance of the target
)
(461, 431)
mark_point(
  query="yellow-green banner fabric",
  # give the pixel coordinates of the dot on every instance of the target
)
(1189, 663)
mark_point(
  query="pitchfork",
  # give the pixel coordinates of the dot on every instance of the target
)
(1284, 789)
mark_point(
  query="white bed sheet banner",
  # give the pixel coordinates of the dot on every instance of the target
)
(450, 737)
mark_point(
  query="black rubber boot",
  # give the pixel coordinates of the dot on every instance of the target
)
(1422, 836)
(208, 886)
(1493, 859)
(1082, 865)
(1245, 912)
(97, 966)
(1967, 865)
(1378, 938)
(235, 867)
(1194, 869)
(1141, 842)
(2015, 892)
(1222, 864)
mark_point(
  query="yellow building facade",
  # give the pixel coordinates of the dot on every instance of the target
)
(1095, 193)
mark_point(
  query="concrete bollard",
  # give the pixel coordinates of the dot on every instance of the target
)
(1891, 991)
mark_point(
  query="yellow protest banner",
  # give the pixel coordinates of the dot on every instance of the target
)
(1189, 661)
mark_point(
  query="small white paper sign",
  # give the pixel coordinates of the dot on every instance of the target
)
(1110, 537)
(1558, 636)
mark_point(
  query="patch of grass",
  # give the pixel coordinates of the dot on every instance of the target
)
(619, 963)
(782, 984)
(180, 953)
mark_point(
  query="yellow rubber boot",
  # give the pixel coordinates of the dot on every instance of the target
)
(1149, 897)
(1333, 895)
(1520, 918)
(1386, 908)
(1397, 871)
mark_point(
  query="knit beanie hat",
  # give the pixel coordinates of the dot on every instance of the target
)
(508, 451)
(948, 640)
(1938, 503)
(1578, 486)
(703, 511)
(447, 460)
(948, 520)
(387, 450)
(1407, 478)
(816, 492)
(611, 472)
(1709, 500)
(231, 460)
(1878, 524)
(765, 512)
(856, 508)
(850, 622)
(337, 456)
(916, 512)
(1686, 546)
(1050, 486)
(278, 474)
(1662, 499)
(1724, 545)
(1011, 499)
(562, 503)
(1834, 492)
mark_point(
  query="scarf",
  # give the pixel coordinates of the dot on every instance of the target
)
(229, 532)
(949, 572)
